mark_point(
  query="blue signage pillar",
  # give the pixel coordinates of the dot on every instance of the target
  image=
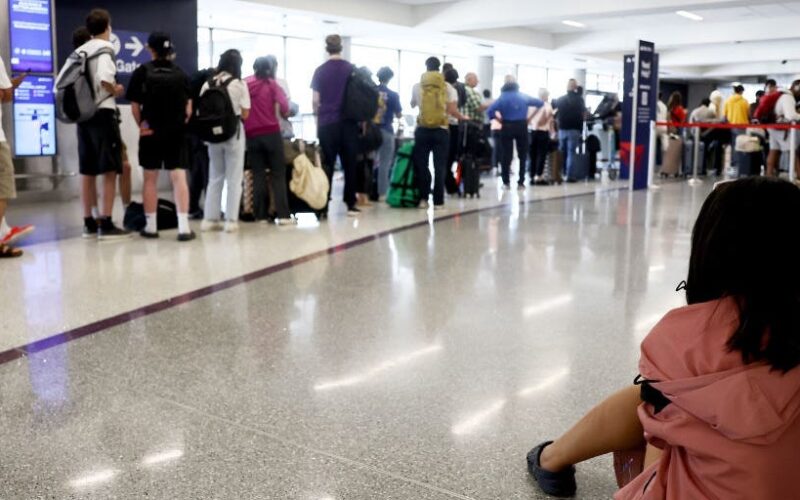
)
(639, 108)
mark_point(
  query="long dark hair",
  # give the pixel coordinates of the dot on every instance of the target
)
(744, 244)
(675, 100)
(231, 62)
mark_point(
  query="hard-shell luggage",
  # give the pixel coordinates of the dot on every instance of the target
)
(553, 167)
(673, 157)
(470, 176)
(580, 166)
(749, 163)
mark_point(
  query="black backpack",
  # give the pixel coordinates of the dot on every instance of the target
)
(165, 98)
(166, 216)
(362, 99)
(214, 119)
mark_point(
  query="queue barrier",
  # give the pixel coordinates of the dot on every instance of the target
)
(698, 126)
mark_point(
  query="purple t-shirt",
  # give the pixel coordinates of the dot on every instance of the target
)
(330, 80)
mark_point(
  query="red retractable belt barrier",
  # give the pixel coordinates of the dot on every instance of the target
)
(770, 126)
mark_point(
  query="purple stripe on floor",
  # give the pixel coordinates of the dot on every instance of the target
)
(120, 319)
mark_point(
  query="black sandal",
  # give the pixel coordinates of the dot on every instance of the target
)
(8, 252)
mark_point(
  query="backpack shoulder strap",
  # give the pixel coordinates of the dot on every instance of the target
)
(105, 51)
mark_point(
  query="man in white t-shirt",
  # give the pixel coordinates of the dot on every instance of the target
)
(780, 140)
(8, 234)
(431, 134)
(99, 138)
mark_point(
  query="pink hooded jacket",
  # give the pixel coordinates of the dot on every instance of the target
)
(732, 430)
(268, 99)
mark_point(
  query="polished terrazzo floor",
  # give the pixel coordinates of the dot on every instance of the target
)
(420, 364)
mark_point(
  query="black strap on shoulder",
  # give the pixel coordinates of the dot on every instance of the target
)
(651, 395)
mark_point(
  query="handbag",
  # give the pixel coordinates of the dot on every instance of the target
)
(309, 182)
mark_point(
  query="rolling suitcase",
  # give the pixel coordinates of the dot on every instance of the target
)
(673, 157)
(749, 163)
(470, 177)
(553, 167)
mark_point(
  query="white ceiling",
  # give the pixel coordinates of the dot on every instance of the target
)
(735, 39)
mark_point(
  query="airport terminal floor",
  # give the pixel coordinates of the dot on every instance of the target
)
(401, 355)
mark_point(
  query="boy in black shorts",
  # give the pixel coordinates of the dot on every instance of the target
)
(159, 92)
(99, 139)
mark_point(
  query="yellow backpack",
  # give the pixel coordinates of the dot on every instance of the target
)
(433, 101)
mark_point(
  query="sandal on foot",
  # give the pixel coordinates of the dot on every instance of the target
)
(558, 484)
(7, 252)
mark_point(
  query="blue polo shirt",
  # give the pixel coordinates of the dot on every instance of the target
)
(393, 107)
(513, 105)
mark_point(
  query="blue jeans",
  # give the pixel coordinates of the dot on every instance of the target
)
(568, 142)
(384, 161)
(427, 141)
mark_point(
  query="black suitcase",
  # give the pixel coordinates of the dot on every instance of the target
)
(470, 177)
(749, 163)
(688, 159)
(580, 167)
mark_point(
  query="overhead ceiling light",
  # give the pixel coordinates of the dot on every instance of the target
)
(574, 24)
(689, 15)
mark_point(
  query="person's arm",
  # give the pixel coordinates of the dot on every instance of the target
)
(533, 102)
(283, 103)
(7, 94)
(452, 110)
(188, 110)
(493, 109)
(315, 102)
(415, 96)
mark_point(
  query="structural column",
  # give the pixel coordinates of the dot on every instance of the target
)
(485, 72)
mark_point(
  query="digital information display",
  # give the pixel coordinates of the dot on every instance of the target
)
(31, 36)
(35, 117)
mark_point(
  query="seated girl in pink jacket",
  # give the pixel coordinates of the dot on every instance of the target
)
(715, 413)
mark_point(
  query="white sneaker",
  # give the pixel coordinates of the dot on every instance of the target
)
(437, 208)
(290, 221)
(424, 205)
(210, 225)
(231, 227)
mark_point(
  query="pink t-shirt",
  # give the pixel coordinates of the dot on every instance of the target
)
(265, 97)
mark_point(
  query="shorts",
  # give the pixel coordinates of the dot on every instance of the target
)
(780, 140)
(8, 188)
(168, 152)
(100, 144)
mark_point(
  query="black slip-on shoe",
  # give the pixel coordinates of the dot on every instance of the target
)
(557, 484)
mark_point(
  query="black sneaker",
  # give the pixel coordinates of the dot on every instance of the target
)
(558, 484)
(353, 212)
(89, 228)
(186, 236)
(149, 236)
(108, 231)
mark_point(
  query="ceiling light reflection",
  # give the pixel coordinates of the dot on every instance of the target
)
(161, 457)
(545, 383)
(93, 478)
(689, 15)
(470, 424)
(548, 304)
(378, 369)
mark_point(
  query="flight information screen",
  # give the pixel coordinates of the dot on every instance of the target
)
(31, 33)
(35, 117)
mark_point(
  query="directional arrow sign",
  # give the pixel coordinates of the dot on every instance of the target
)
(135, 46)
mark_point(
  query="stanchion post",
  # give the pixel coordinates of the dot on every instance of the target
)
(695, 180)
(651, 160)
(792, 153)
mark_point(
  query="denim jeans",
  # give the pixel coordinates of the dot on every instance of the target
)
(226, 166)
(427, 141)
(568, 142)
(384, 161)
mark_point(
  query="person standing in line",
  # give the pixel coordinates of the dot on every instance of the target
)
(99, 138)
(125, 185)
(264, 142)
(226, 160)
(454, 147)
(780, 140)
(287, 129)
(437, 101)
(338, 136)
(512, 106)
(570, 110)
(160, 96)
(8, 234)
(198, 151)
(542, 129)
(737, 112)
(393, 110)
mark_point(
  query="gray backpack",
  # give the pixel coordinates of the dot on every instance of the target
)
(76, 100)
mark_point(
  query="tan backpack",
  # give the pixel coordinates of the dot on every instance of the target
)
(433, 101)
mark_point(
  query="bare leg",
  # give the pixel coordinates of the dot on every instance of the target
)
(773, 158)
(125, 184)
(613, 425)
(109, 191)
(88, 194)
(180, 189)
(150, 191)
(652, 456)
